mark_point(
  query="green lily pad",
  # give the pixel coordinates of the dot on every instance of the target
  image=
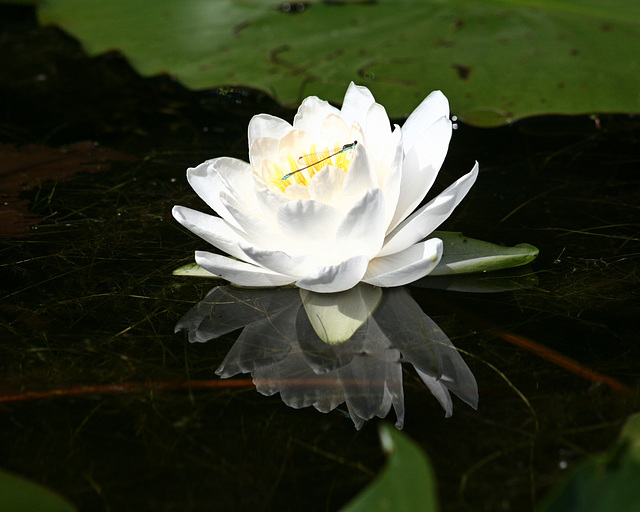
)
(406, 483)
(496, 60)
(464, 255)
(606, 483)
(21, 495)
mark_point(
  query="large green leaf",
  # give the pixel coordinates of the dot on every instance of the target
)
(406, 483)
(497, 60)
(20, 495)
(607, 483)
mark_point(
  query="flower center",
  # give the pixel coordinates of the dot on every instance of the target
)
(306, 165)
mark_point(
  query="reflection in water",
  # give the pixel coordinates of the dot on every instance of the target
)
(326, 349)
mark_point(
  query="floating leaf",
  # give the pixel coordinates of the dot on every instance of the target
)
(606, 483)
(497, 61)
(463, 255)
(20, 495)
(405, 484)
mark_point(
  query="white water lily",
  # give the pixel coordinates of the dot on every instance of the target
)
(329, 201)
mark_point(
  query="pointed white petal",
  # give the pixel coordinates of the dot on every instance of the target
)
(336, 278)
(239, 272)
(280, 262)
(406, 266)
(434, 144)
(357, 101)
(206, 181)
(212, 229)
(429, 217)
(432, 108)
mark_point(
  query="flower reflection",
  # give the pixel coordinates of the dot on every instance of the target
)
(326, 349)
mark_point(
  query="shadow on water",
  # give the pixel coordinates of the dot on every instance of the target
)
(131, 416)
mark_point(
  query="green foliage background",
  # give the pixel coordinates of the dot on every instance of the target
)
(497, 60)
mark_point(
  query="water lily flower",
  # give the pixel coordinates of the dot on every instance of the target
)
(329, 201)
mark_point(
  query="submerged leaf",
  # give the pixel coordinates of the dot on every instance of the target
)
(406, 483)
(606, 483)
(21, 495)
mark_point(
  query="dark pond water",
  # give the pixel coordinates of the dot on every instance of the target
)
(100, 400)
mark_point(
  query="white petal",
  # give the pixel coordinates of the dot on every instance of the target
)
(239, 272)
(390, 176)
(207, 183)
(265, 125)
(295, 192)
(308, 224)
(404, 267)
(414, 185)
(264, 149)
(212, 229)
(361, 175)
(312, 113)
(281, 262)
(336, 278)
(432, 108)
(421, 167)
(326, 186)
(430, 216)
(357, 101)
(434, 144)
(295, 144)
(253, 228)
(270, 201)
(363, 228)
(377, 127)
(334, 130)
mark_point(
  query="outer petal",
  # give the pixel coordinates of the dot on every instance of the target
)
(434, 144)
(207, 183)
(406, 266)
(432, 108)
(212, 229)
(240, 273)
(421, 167)
(281, 262)
(336, 278)
(430, 216)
